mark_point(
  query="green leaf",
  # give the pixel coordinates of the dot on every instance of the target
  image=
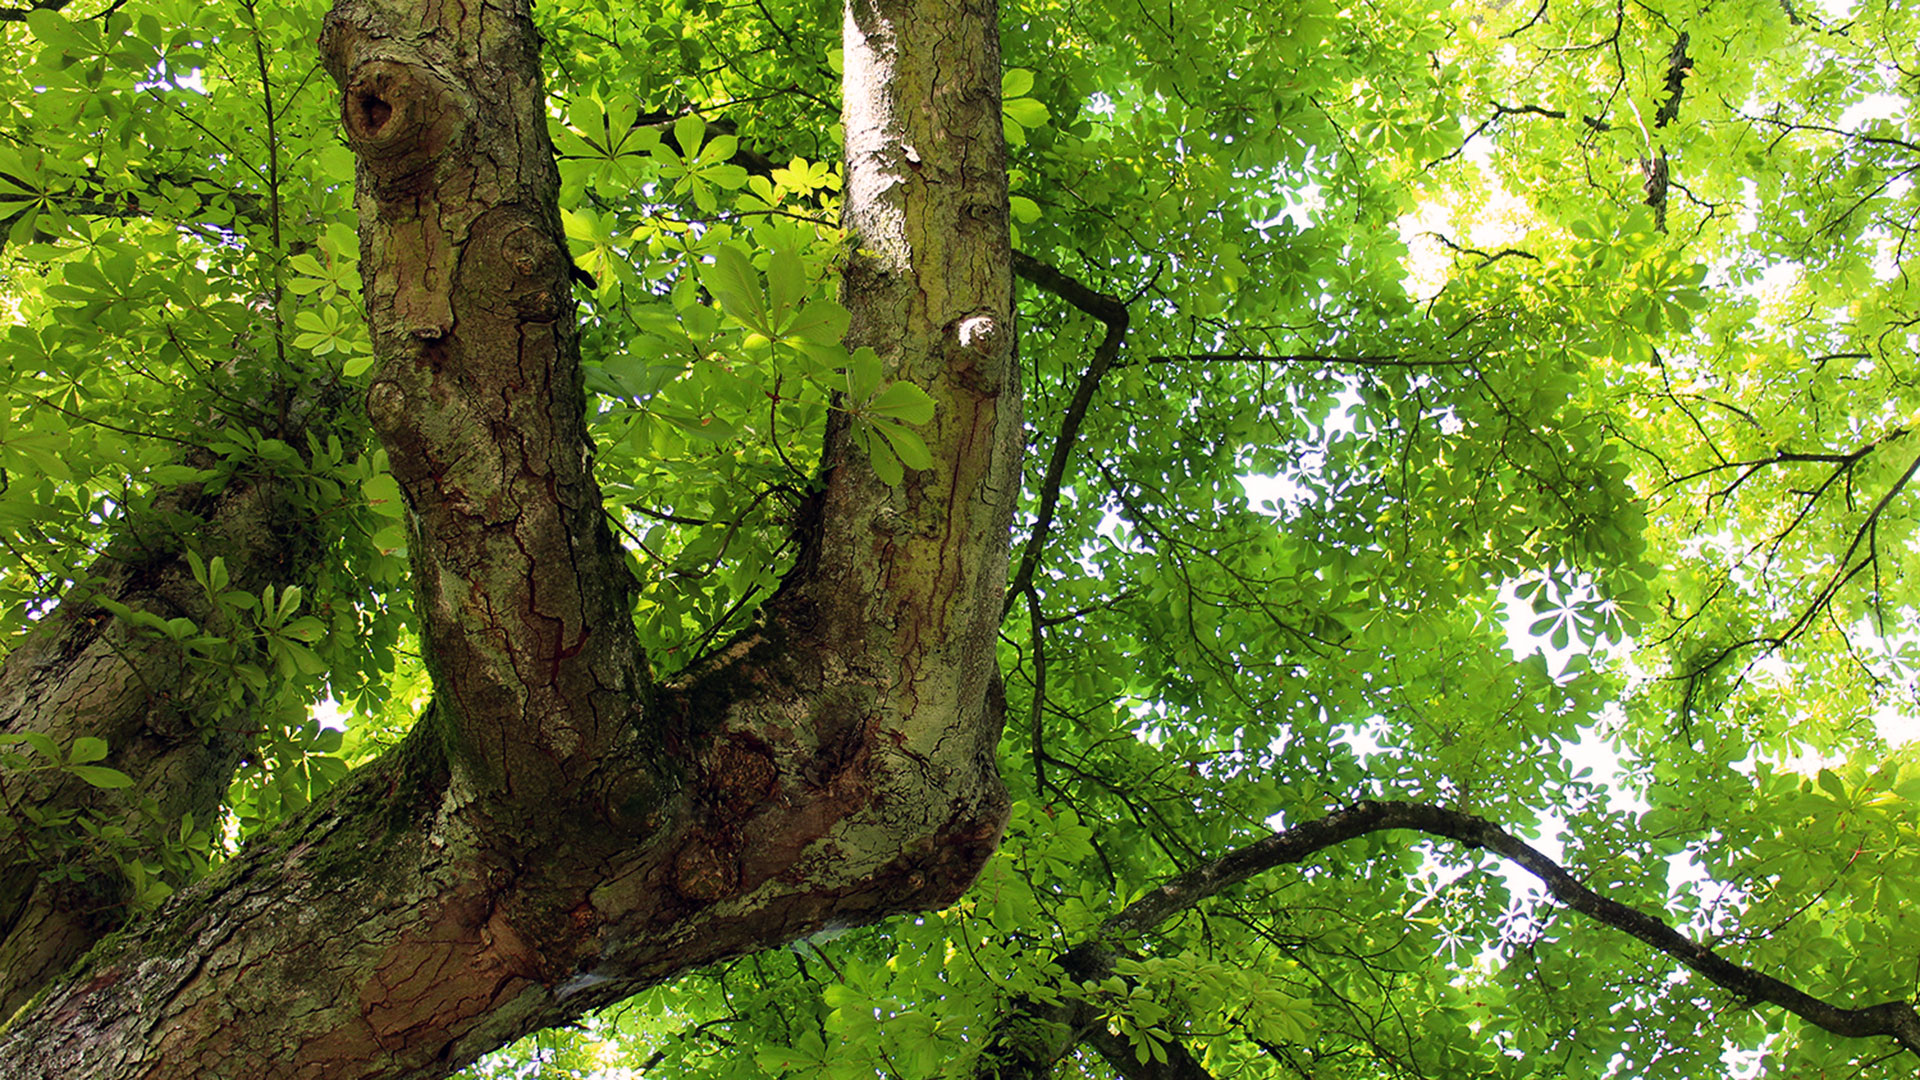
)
(87, 748)
(172, 475)
(306, 628)
(382, 493)
(39, 742)
(733, 281)
(101, 776)
(903, 401)
(886, 464)
(906, 445)
(390, 538)
(1027, 112)
(54, 30)
(863, 373)
(1833, 785)
(786, 287)
(823, 322)
(689, 131)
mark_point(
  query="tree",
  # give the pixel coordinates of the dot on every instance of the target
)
(636, 478)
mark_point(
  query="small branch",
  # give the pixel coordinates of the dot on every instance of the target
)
(687, 1034)
(1388, 360)
(1748, 467)
(20, 14)
(1111, 312)
(276, 258)
(661, 515)
(1528, 25)
(1845, 570)
(775, 23)
(1787, 127)
(1500, 112)
(1841, 573)
(1484, 257)
(127, 431)
(1038, 708)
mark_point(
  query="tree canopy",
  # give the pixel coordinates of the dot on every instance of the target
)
(1455, 619)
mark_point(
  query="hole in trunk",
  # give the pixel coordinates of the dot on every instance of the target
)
(374, 113)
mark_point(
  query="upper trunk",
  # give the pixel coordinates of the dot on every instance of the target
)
(558, 831)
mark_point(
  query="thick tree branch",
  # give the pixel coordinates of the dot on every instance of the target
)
(1895, 1019)
(1015, 1050)
(168, 720)
(1111, 311)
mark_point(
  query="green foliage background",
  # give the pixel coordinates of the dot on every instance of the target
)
(1397, 255)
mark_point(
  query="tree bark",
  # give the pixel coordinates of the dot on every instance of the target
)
(172, 725)
(560, 830)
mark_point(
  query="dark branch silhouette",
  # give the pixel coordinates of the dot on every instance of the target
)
(1112, 313)
(1896, 1020)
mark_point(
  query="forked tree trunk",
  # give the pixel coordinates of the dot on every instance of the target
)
(558, 831)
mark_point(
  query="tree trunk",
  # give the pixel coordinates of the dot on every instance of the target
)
(559, 830)
(172, 724)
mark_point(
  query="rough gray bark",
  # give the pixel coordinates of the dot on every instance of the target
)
(559, 830)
